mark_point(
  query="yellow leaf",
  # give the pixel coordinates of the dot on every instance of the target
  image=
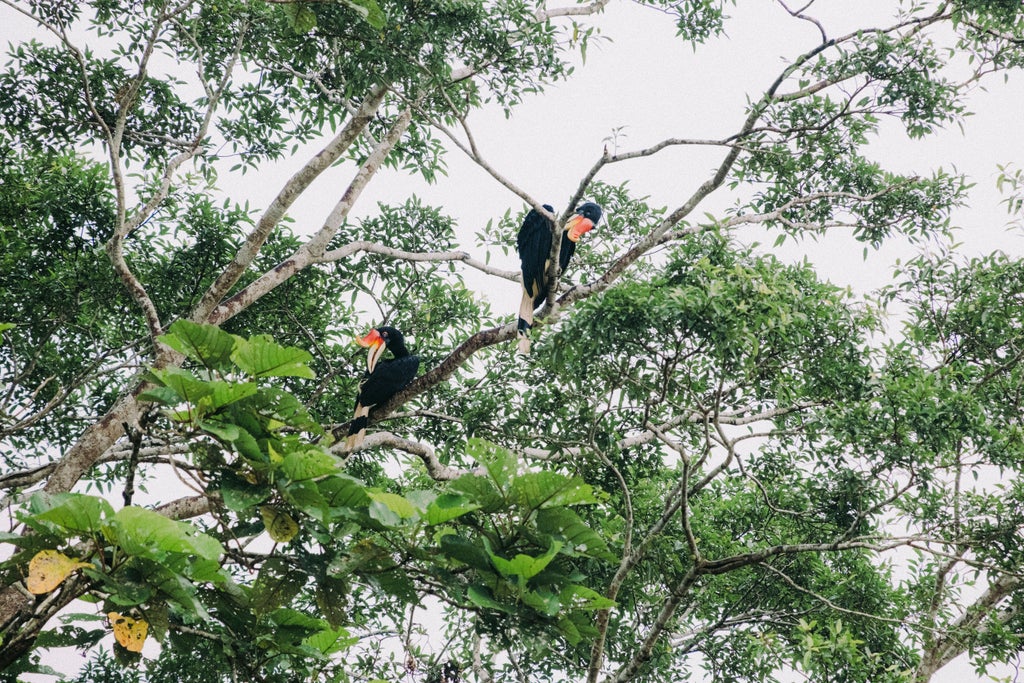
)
(48, 569)
(130, 633)
(281, 527)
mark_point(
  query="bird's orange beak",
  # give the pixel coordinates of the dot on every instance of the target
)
(577, 226)
(375, 343)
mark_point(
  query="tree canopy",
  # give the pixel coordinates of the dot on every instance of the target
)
(716, 464)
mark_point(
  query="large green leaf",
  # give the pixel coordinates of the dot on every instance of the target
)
(206, 344)
(276, 585)
(330, 640)
(188, 387)
(501, 464)
(548, 489)
(466, 551)
(447, 507)
(310, 464)
(523, 566)
(565, 523)
(261, 356)
(342, 491)
(77, 512)
(146, 533)
(384, 503)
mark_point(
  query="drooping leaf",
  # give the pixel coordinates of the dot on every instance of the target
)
(48, 569)
(279, 524)
(447, 507)
(77, 512)
(149, 534)
(276, 585)
(130, 633)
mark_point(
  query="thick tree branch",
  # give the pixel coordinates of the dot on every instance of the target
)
(292, 190)
(314, 248)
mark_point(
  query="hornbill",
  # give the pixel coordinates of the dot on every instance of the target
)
(534, 244)
(382, 380)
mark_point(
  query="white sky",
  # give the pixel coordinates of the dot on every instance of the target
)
(655, 86)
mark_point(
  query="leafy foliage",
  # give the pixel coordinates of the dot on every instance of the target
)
(716, 464)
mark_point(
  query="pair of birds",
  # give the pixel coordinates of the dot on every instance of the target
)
(386, 378)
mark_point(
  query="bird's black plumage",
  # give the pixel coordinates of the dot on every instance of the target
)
(386, 379)
(534, 246)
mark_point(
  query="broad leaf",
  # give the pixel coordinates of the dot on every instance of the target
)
(77, 512)
(206, 344)
(130, 633)
(149, 534)
(48, 569)
(278, 523)
(261, 356)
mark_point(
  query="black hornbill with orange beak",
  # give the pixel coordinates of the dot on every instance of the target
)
(534, 245)
(383, 379)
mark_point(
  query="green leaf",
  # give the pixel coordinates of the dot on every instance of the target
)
(261, 356)
(480, 491)
(146, 533)
(501, 463)
(329, 641)
(276, 585)
(310, 464)
(226, 393)
(300, 16)
(77, 512)
(565, 523)
(187, 386)
(548, 489)
(523, 566)
(447, 507)
(395, 503)
(466, 551)
(482, 596)
(581, 597)
(206, 344)
(342, 491)
(370, 11)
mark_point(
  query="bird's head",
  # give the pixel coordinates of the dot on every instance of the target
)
(583, 221)
(377, 340)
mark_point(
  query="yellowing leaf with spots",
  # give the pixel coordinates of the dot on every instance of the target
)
(48, 569)
(130, 633)
(281, 527)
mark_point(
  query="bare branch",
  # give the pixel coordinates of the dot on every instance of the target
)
(436, 470)
(434, 256)
(317, 244)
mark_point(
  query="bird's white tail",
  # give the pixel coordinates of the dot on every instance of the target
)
(357, 432)
(525, 323)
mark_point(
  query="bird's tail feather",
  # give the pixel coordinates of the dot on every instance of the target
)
(525, 323)
(357, 428)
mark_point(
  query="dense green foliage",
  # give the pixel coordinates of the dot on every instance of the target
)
(715, 465)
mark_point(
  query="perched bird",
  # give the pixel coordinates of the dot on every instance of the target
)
(383, 379)
(534, 245)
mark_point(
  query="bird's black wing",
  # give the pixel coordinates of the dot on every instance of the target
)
(387, 379)
(534, 245)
